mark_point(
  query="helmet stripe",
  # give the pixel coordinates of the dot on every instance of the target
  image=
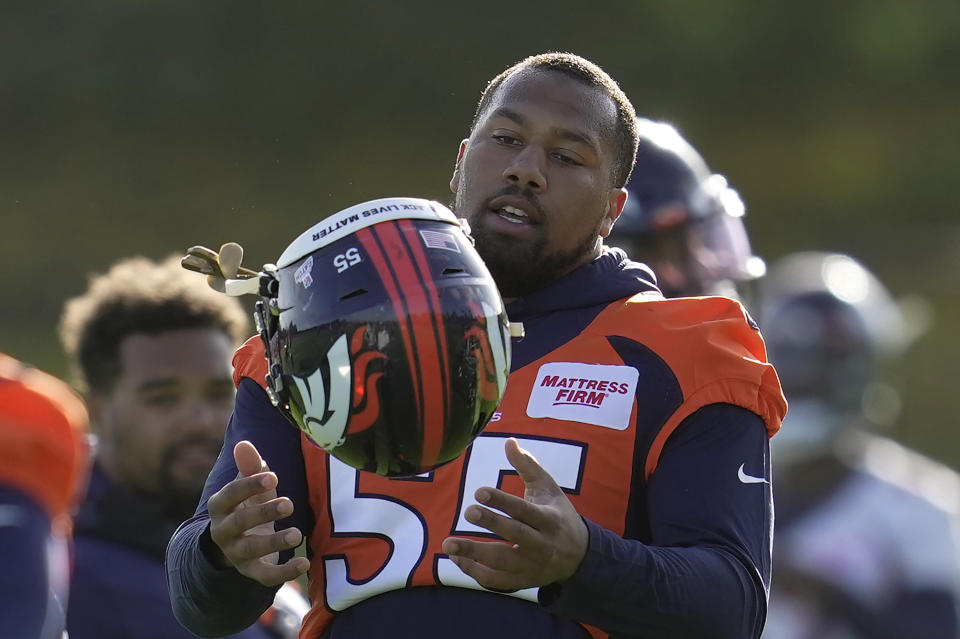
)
(373, 248)
(415, 246)
(433, 420)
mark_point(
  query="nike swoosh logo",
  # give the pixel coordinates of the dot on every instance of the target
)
(749, 479)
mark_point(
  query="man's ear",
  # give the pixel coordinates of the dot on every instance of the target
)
(455, 179)
(97, 407)
(618, 198)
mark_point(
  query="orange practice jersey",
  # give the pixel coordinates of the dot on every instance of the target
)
(596, 410)
(43, 424)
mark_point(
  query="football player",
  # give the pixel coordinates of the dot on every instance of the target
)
(620, 489)
(152, 349)
(684, 221)
(43, 461)
(866, 530)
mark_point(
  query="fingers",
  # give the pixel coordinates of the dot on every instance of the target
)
(504, 566)
(247, 540)
(243, 515)
(547, 536)
(260, 488)
(525, 464)
(248, 516)
(494, 555)
(486, 576)
(275, 575)
(246, 548)
(253, 485)
(520, 521)
(249, 461)
(251, 464)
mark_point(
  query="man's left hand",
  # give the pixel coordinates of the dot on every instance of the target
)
(548, 539)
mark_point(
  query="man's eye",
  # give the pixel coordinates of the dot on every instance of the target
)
(161, 400)
(506, 139)
(567, 159)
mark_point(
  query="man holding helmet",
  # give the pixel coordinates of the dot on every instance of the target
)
(610, 467)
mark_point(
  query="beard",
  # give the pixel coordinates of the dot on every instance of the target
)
(521, 267)
(181, 493)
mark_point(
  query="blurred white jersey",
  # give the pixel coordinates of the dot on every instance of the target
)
(878, 557)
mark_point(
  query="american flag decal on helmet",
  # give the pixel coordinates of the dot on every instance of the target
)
(439, 239)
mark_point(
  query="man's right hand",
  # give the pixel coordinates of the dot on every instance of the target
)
(242, 516)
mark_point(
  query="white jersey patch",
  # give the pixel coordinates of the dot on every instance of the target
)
(598, 394)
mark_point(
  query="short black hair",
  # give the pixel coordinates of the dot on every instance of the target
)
(588, 73)
(137, 295)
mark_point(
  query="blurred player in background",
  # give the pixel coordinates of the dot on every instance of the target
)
(866, 539)
(152, 349)
(684, 221)
(43, 463)
(866, 530)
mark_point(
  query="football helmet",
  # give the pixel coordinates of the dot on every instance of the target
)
(683, 221)
(829, 325)
(386, 337)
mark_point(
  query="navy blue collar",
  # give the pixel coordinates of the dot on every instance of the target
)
(610, 277)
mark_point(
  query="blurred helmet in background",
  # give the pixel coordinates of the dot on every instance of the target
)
(683, 221)
(829, 324)
(386, 336)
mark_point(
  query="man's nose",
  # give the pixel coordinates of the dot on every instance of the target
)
(205, 415)
(527, 169)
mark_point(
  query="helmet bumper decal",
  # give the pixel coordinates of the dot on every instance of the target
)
(324, 398)
(366, 394)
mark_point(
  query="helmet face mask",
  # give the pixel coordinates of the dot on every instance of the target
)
(388, 341)
(700, 256)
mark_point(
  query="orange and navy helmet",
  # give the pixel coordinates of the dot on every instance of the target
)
(830, 328)
(683, 220)
(387, 339)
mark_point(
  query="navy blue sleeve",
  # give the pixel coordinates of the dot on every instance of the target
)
(24, 587)
(706, 570)
(211, 601)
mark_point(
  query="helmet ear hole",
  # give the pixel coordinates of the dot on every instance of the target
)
(352, 294)
(391, 349)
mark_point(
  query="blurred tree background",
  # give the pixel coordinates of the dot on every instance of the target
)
(144, 127)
